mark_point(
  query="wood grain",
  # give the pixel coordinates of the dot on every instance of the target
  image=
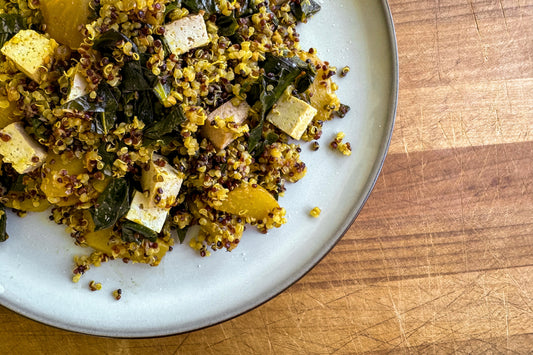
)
(441, 258)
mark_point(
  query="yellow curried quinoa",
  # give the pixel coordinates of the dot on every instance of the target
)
(134, 120)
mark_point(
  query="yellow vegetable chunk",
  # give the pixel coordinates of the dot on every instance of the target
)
(57, 178)
(249, 201)
(27, 204)
(101, 241)
(7, 112)
(64, 19)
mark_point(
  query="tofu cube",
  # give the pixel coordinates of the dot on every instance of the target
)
(78, 87)
(221, 137)
(161, 181)
(19, 149)
(186, 33)
(31, 52)
(141, 212)
(291, 115)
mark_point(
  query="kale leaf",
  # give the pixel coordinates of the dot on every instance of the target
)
(304, 9)
(182, 233)
(194, 6)
(166, 125)
(134, 232)
(10, 24)
(112, 204)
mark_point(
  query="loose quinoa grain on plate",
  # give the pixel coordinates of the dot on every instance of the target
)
(131, 121)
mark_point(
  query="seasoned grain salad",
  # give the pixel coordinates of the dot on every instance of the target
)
(131, 121)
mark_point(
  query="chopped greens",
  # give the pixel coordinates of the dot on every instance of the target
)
(134, 232)
(10, 24)
(304, 9)
(112, 204)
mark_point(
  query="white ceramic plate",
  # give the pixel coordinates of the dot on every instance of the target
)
(188, 292)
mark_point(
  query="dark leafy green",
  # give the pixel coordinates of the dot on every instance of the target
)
(182, 233)
(3, 224)
(106, 100)
(194, 6)
(249, 7)
(105, 105)
(7, 179)
(107, 158)
(107, 42)
(304, 9)
(18, 184)
(166, 125)
(171, 7)
(112, 204)
(144, 107)
(227, 25)
(134, 233)
(10, 24)
(133, 78)
(39, 128)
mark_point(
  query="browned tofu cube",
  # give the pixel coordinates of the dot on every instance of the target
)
(221, 137)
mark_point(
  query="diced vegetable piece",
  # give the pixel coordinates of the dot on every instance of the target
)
(141, 212)
(58, 173)
(64, 19)
(291, 115)
(28, 204)
(249, 201)
(100, 241)
(162, 181)
(112, 204)
(31, 52)
(7, 112)
(221, 137)
(19, 149)
(186, 33)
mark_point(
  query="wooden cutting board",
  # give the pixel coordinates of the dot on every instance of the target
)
(441, 258)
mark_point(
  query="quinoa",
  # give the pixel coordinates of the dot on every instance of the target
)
(315, 212)
(139, 100)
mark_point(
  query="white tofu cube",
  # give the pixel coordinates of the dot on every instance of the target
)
(186, 33)
(31, 52)
(220, 136)
(19, 149)
(161, 181)
(142, 213)
(291, 115)
(78, 87)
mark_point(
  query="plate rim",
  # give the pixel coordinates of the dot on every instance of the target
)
(313, 262)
